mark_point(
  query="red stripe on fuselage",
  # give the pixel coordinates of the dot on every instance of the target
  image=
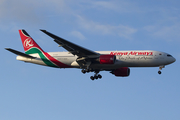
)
(58, 63)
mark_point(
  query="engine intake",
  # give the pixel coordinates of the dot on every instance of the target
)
(121, 72)
(107, 59)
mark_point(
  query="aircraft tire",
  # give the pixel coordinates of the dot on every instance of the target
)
(99, 76)
(83, 71)
(159, 72)
(96, 77)
(92, 78)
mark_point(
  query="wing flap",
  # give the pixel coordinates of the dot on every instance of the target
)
(20, 53)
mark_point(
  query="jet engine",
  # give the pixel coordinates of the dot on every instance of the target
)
(121, 72)
(107, 59)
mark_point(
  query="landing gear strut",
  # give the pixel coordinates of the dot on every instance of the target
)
(160, 68)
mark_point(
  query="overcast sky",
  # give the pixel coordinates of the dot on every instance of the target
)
(33, 92)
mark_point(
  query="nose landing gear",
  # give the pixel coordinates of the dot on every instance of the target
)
(160, 68)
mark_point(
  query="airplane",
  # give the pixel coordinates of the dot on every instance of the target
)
(116, 62)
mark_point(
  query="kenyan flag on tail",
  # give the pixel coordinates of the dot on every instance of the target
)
(30, 46)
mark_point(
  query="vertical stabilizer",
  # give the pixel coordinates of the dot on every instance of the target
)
(30, 46)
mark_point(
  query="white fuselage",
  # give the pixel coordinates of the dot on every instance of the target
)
(134, 58)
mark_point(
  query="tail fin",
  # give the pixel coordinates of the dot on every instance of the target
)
(30, 46)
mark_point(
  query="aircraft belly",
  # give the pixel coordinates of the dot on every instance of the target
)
(121, 64)
(118, 64)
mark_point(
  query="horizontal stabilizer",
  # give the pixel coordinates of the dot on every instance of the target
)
(20, 53)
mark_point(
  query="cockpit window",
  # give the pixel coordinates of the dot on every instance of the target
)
(169, 55)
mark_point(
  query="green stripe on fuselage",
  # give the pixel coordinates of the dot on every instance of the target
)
(42, 56)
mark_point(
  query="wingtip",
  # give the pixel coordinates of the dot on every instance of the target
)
(42, 30)
(7, 48)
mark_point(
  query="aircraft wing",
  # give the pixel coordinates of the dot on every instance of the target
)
(71, 47)
(20, 53)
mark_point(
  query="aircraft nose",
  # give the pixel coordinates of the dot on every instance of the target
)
(173, 59)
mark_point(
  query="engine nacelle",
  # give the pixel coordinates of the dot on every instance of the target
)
(122, 72)
(107, 59)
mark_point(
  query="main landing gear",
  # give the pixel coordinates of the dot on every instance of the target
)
(160, 68)
(96, 75)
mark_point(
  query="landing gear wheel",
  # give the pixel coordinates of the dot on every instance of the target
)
(83, 71)
(87, 70)
(92, 78)
(99, 76)
(96, 77)
(159, 72)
